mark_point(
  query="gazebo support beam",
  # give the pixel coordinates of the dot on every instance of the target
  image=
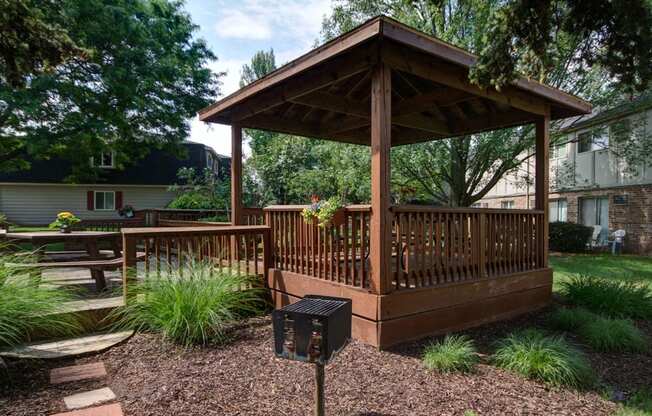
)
(542, 181)
(381, 132)
(236, 175)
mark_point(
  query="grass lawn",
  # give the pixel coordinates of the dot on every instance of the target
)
(624, 267)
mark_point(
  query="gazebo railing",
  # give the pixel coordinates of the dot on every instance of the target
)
(243, 249)
(338, 252)
(434, 246)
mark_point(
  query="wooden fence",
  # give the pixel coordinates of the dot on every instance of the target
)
(434, 246)
(244, 249)
(337, 252)
(109, 224)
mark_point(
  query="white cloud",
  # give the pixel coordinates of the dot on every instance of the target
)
(298, 20)
(238, 24)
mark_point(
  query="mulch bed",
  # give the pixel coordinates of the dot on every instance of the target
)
(153, 377)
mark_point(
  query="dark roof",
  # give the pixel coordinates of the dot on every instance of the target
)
(157, 168)
(602, 115)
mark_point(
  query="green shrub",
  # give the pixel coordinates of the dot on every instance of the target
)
(616, 299)
(192, 200)
(193, 307)
(638, 404)
(216, 218)
(454, 353)
(550, 359)
(609, 334)
(569, 319)
(569, 237)
(27, 307)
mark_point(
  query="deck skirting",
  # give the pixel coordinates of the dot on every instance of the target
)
(403, 315)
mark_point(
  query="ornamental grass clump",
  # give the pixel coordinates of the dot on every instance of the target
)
(569, 319)
(550, 359)
(194, 306)
(613, 335)
(616, 299)
(455, 353)
(27, 307)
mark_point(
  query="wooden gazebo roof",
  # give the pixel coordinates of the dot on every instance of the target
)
(326, 92)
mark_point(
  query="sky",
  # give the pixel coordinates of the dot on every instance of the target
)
(235, 30)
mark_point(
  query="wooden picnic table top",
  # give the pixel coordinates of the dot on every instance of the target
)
(56, 236)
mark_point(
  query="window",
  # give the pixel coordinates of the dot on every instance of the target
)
(558, 210)
(209, 161)
(104, 160)
(592, 140)
(104, 200)
(595, 211)
(480, 205)
(507, 204)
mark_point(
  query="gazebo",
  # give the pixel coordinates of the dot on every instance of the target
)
(410, 270)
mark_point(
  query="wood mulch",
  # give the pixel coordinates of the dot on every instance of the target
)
(153, 377)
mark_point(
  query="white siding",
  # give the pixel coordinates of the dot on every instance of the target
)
(39, 204)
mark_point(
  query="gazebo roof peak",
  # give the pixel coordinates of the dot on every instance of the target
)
(326, 92)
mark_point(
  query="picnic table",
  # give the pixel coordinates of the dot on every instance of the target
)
(87, 239)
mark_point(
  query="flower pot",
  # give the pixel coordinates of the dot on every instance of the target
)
(65, 229)
(338, 218)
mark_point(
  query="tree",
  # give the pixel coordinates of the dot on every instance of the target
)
(460, 171)
(285, 169)
(144, 77)
(200, 190)
(30, 45)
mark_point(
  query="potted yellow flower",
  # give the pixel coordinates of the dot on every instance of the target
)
(64, 222)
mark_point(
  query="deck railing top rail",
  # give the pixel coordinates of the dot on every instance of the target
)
(289, 208)
(428, 208)
(181, 231)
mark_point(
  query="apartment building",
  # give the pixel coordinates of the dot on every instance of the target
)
(593, 181)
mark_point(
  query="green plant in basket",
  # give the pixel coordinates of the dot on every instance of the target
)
(323, 212)
(65, 220)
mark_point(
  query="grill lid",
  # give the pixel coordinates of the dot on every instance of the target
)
(315, 306)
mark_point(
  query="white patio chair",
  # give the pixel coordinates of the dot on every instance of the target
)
(595, 237)
(618, 239)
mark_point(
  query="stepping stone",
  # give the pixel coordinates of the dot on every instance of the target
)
(89, 398)
(107, 410)
(69, 347)
(77, 373)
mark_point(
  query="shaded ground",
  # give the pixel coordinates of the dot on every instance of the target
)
(152, 377)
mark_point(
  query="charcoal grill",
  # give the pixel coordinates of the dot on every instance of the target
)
(313, 330)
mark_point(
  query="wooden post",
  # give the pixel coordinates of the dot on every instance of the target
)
(381, 222)
(129, 271)
(236, 175)
(542, 182)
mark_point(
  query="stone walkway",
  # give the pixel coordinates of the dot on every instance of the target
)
(86, 403)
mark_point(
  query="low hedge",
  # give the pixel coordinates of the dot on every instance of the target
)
(568, 237)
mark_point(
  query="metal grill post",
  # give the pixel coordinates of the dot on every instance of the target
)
(319, 390)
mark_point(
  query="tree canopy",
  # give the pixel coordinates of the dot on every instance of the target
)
(143, 77)
(462, 170)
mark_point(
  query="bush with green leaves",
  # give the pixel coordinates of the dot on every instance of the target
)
(617, 299)
(612, 334)
(547, 358)
(192, 200)
(453, 353)
(568, 237)
(195, 305)
(569, 319)
(215, 218)
(27, 307)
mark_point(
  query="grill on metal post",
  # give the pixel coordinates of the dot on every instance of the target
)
(313, 330)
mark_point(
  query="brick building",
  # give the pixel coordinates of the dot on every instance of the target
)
(590, 180)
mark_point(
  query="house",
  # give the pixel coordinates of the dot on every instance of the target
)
(591, 181)
(35, 196)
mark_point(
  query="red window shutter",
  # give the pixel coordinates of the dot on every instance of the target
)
(90, 200)
(118, 199)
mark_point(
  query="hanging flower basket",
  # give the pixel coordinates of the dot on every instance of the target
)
(324, 213)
